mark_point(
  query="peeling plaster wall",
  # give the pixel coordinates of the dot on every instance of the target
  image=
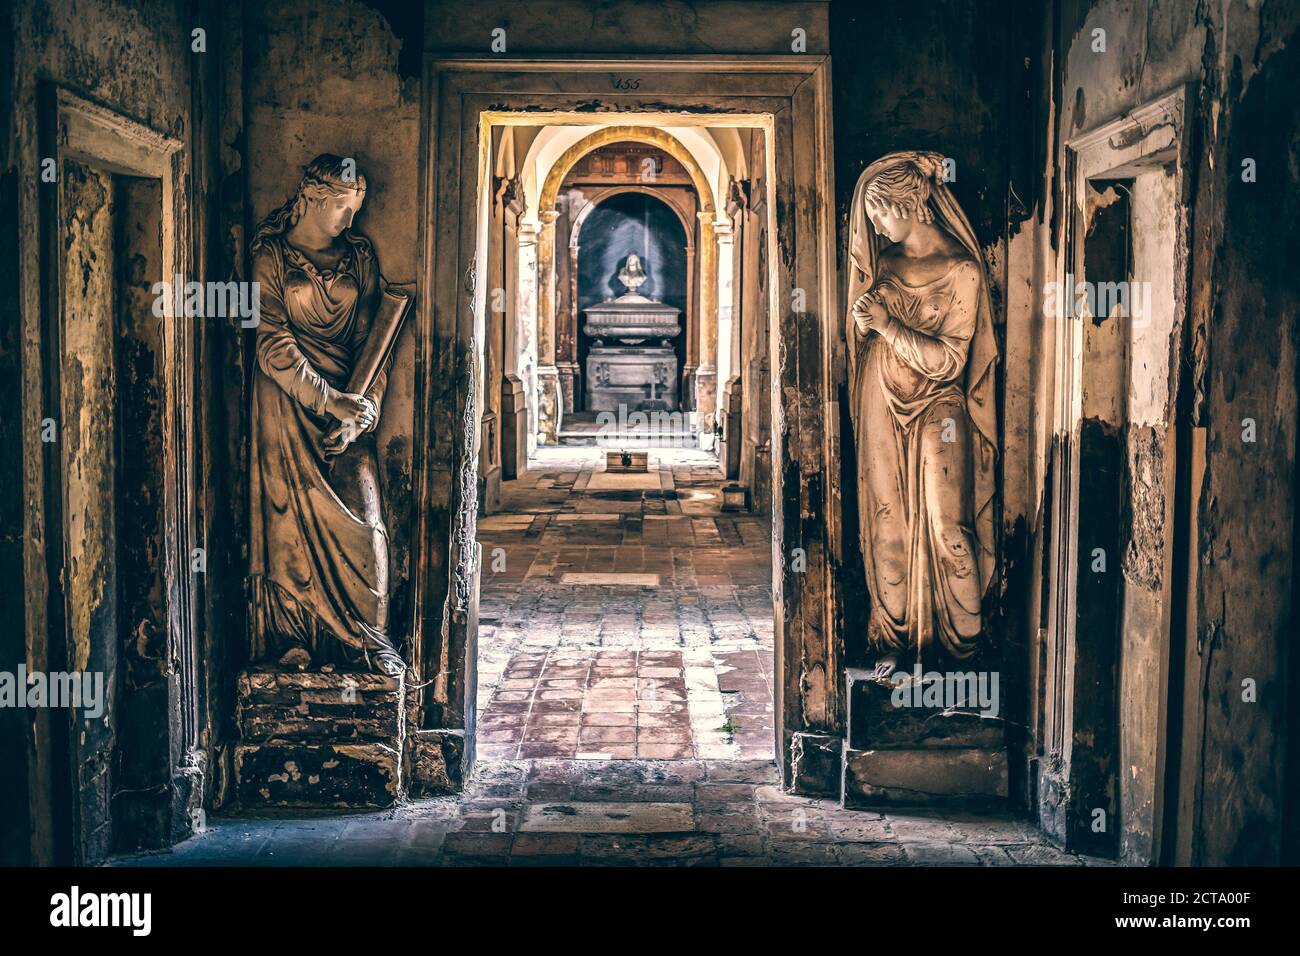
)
(144, 73)
(1154, 336)
(1240, 61)
(89, 468)
(325, 77)
(1247, 586)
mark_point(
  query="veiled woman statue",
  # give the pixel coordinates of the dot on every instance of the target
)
(921, 361)
(319, 549)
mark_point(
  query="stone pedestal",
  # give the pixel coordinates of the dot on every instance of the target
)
(550, 405)
(925, 744)
(568, 379)
(319, 740)
(706, 404)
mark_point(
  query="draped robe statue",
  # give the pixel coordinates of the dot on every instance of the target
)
(921, 361)
(318, 547)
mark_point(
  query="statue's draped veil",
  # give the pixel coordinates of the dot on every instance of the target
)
(981, 405)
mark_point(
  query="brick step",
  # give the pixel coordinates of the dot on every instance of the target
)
(319, 740)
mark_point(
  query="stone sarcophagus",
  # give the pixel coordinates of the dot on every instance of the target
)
(642, 379)
(638, 370)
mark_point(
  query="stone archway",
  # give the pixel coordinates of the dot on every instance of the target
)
(567, 319)
(702, 348)
(673, 254)
(611, 192)
(648, 135)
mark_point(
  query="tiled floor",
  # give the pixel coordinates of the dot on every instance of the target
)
(622, 721)
(624, 616)
(620, 813)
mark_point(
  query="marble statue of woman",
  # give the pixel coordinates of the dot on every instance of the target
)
(921, 362)
(319, 549)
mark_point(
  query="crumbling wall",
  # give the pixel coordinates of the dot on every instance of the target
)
(1226, 753)
(1246, 312)
(134, 59)
(86, 429)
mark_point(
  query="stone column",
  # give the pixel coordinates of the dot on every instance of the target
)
(526, 351)
(724, 343)
(690, 322)
(706, 374)
(566, 345)
(550, 406)
(514, 407)
(730, 357)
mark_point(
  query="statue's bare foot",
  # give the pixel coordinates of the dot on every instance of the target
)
(390, 663)
(885, 667)
(295, 659)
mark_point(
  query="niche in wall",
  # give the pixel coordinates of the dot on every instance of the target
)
(625, 223)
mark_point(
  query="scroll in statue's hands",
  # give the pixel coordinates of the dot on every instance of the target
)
(869, 314)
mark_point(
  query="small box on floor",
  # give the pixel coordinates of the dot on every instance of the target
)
(734, 497)
(627, 462)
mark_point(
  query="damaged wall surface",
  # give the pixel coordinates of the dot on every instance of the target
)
(1207, 520)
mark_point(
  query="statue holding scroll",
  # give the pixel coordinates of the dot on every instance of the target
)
(921, 362)
(319, 565)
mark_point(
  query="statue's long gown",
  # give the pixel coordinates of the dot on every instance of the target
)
(914, 466)
(319, 549)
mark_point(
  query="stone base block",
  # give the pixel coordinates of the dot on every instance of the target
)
(311, 706)
(964, 777)
(289, 774)
(319, 740)
(815, 764)
(438, 764)
(637, 378)
(514, 428)
(920, 715)
(489, 491)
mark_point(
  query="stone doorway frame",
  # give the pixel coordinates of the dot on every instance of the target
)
(1153, 138)
(788, 96)
(72, 127)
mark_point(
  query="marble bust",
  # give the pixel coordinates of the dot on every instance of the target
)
(632, 275)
